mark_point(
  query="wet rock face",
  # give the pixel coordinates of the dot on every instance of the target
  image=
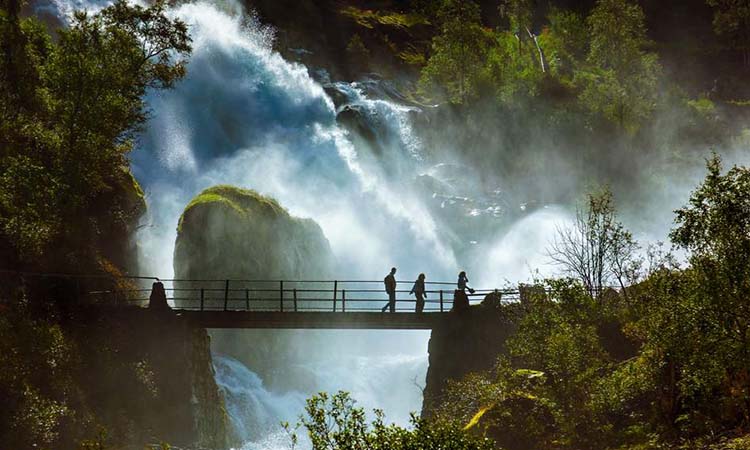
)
(232, 233)
(148, 377)
(469, 341)
(354, 119)
(210, 419)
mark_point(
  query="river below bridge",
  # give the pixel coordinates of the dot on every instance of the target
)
(383, 369)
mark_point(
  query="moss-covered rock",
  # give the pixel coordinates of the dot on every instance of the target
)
(117, 213)
(231, 233)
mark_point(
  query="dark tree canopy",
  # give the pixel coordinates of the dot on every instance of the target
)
(68, 112)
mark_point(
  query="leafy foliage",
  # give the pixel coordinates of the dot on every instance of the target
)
(732, 21)
(622, 83)
(459, 51)
(518, 13)
(336, 423)
(663, 363)
(69, 111)
(36, 383)
(601, 62)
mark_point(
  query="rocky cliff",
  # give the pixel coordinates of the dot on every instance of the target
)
(469, 341)
(144, 376)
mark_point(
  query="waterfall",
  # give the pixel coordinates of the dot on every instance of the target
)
(254, 411)
(245, 116)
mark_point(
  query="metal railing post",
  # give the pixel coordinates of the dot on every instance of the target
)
(295, 299)
(247, 300)
(203, 297)
(441, 300)
(226, 294)
(335, 288)
(281, 295)
(343, 300)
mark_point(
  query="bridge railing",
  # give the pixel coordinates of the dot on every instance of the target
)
(295, 296)
(249, 295)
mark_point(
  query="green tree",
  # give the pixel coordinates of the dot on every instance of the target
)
(519, 14)
(732, 22)
(513, 68)
(621, 83)
(336, 423)
(456, 65)
(691, 374)
(65, 190)
(715, 228)
(566, 43)
(596, 248)
(522, 66)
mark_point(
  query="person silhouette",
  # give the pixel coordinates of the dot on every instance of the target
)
(390, 289)
(419, 292)
(460, 299)
(158, 298)
(463, 283)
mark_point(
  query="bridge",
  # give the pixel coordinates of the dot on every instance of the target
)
(295, 304)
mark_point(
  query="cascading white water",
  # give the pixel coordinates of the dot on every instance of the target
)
(254, 411)
(382, 380)
(245, 116)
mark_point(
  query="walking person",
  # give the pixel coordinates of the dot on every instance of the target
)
(390, 289)
(419, 291)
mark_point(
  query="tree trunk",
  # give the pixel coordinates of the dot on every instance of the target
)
(542, 60)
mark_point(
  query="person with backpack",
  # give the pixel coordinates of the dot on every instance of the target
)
(419, 291)
(390, 289)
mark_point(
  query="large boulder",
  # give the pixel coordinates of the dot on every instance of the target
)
(231, 233)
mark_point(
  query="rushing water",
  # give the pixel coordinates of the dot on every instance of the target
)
(375, 381)
(246, 116)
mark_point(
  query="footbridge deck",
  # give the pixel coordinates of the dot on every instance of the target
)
(316, 320)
